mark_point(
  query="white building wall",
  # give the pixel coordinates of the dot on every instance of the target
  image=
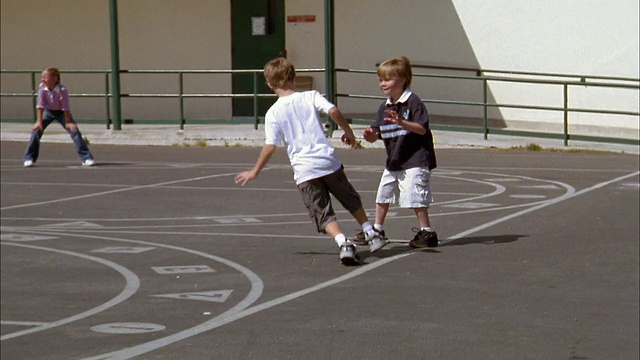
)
(588, 37)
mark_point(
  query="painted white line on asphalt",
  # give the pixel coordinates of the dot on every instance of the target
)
(114, 191)
(23, 323)
(568, 195)
(130, 288)
(499, 189)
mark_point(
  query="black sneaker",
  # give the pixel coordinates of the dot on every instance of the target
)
(360, 239)
(424, 239)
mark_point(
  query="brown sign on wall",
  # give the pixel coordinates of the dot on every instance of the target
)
(301, 18)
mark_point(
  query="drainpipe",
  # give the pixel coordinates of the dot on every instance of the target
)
(329, 57)
(115, 65)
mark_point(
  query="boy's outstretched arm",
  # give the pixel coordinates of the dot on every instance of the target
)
(348, 137)
(244, 177)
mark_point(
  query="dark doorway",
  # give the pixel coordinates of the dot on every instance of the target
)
(257, 36)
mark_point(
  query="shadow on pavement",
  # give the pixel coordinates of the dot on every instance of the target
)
(487, 240)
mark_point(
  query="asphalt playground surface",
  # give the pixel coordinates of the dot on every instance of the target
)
(155, 253)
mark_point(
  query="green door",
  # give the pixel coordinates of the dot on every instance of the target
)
(257, 36)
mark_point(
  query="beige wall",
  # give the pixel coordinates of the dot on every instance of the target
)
(158, 34)
(572, 36)
(305, 40)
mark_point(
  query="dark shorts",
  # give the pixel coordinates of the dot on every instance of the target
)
(316, 195)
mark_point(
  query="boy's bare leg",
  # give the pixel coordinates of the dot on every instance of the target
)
(423, 216)
(381, 212)
(333, 229)
(360, 215)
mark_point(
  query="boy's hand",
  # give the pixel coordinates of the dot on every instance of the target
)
(38, 125)
(71, 126)
(348, 139)
(393, 118)
(244, 177)
(370, 135)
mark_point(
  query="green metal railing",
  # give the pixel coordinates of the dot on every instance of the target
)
(566, 81)
(34, 84)
(181, 95)
(484, 79)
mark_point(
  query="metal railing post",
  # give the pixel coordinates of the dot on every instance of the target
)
(181, 98)
(485, 120)
(106, 95)
(566, 115)
(34, 97)
(115, 65)
(255, 100)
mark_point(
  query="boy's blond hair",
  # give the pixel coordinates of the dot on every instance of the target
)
(279, 72)
(399, 67)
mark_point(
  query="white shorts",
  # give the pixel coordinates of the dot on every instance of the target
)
(407, 188)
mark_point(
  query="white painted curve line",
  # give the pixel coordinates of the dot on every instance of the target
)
(254, 294)
(499, 189)
(115, 191)
(223, 320)
(23, 323)
(542, 205)
(131, 287)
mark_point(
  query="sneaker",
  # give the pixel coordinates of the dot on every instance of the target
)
(360, 239)
(377, 241)
(28, 163)
(88, 162)
(348, 255)
(424, 239)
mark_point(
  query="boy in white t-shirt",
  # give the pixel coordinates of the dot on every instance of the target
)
(318, 173)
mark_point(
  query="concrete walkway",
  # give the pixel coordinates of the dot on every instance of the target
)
(246, 135)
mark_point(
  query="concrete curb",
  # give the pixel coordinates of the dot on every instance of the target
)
(246, 135)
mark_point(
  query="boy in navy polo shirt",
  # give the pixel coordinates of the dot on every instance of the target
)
(403, 124)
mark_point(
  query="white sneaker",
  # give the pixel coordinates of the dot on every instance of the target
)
(348, 255)
(376, 241)
(88, 162)
(28, 163)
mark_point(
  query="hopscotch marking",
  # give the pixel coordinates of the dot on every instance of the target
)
(127, 328)
(124, 249)
(184, 269)
(218, 296)
(24, 237)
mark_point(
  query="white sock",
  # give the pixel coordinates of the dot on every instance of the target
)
(366, 227)
(340, 239)
(378, 227)
(426, 228)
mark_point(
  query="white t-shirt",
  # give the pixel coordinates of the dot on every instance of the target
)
(294, 121)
